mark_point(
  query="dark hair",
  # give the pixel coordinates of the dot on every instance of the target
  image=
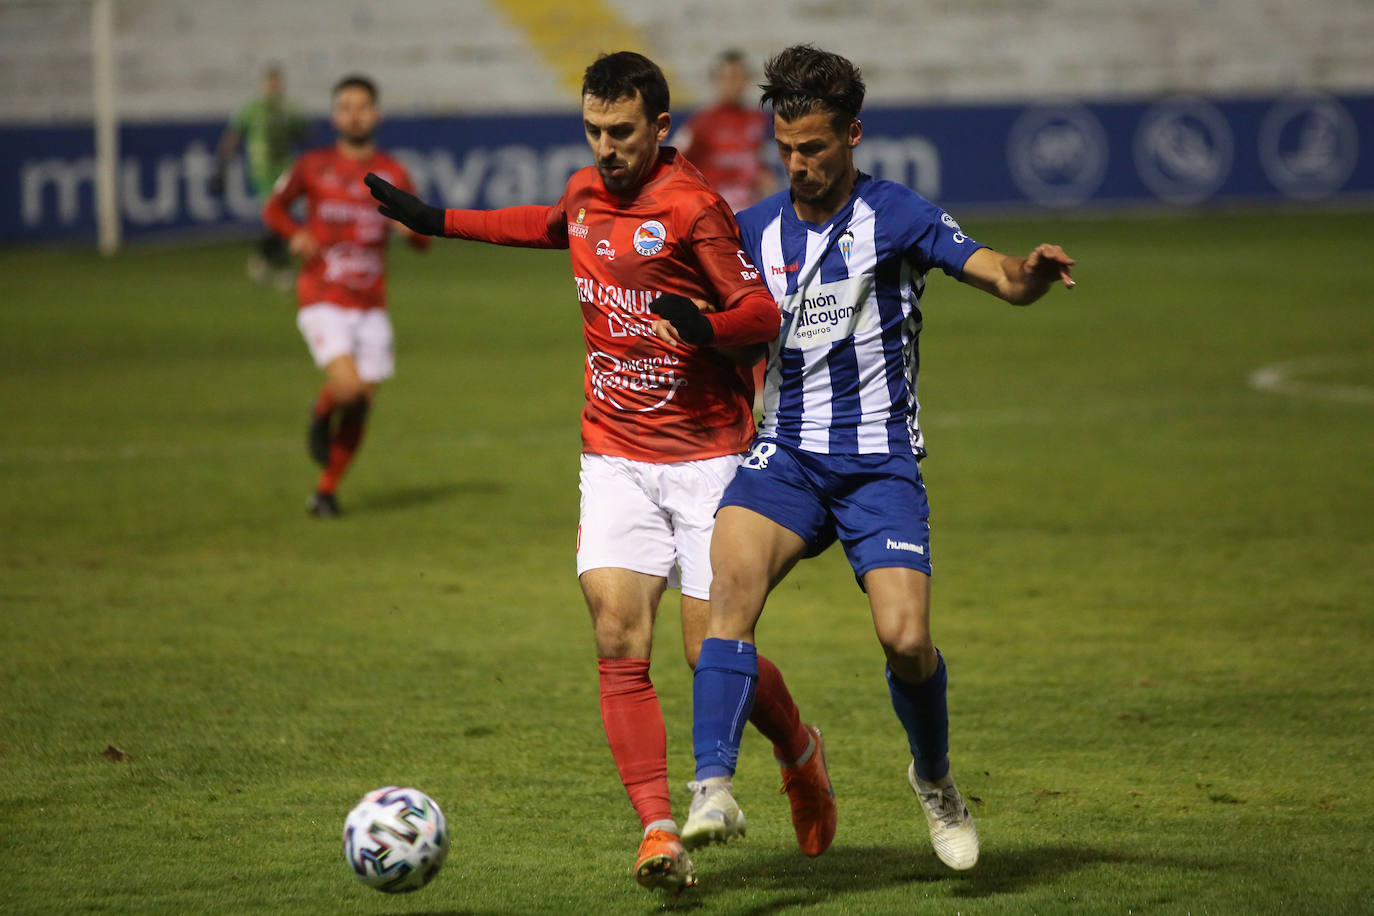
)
(356, 81)
(622, 75)
(803, 79)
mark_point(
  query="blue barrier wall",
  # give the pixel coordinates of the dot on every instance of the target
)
(1185, 150)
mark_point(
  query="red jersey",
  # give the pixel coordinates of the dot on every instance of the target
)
(646, 399)
(350, 269)
(726, 143)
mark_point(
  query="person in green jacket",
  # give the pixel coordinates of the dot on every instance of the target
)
(270, 128)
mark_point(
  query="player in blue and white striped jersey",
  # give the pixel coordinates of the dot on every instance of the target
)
(841, 377)
(846, 257)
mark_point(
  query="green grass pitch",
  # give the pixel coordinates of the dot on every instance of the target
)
(1154, 586)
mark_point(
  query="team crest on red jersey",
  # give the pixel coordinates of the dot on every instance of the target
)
(650, 237)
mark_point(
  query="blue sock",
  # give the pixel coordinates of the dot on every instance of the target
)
(722, 696)
(925, 716)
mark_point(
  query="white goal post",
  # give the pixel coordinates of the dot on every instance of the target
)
(62, 68)
(103, 76)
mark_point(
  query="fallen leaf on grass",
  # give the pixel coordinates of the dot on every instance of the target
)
(117, 755)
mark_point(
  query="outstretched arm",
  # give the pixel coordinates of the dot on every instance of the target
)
(404, 207)
(523, 227)
(1019, 281)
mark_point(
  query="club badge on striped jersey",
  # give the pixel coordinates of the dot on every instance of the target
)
(650, 237)
(846, 243)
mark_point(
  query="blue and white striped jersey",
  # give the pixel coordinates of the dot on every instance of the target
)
(841, 377)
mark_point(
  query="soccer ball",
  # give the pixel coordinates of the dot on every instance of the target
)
(396, 839)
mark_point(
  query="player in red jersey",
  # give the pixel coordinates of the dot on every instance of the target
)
(664, 424)
(728, 141)
(342, 283)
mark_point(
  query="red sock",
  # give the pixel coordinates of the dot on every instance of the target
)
(324, 404)
(776, 716)
(634, 728)
(344, 445)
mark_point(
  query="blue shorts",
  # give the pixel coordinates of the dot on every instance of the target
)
(875, 504)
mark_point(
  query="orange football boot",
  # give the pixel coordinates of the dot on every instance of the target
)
(807, 784)
(662, 863)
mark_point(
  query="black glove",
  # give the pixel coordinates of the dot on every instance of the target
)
(406, 209)
(691, 325)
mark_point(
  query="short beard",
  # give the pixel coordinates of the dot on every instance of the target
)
(624, 186)
(815, 198)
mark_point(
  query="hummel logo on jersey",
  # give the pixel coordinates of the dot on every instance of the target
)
(785, 269)
(905, 545)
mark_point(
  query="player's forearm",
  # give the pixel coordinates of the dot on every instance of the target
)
(520, 227)
(753, 319)
(1021, 286)
(1019, 281)
(277, 217)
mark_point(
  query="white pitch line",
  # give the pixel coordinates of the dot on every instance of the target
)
(1287, 378)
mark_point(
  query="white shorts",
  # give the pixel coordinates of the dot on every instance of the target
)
(652, 518)
(331, 331)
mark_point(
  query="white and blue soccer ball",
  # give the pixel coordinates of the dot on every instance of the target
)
(396, 839)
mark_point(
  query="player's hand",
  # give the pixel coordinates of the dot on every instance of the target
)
(406, 209)
(1049, 263)
(663, 330)
(684, 321)
(215, 184)
(304, 245)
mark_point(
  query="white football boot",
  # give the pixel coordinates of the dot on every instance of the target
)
(952, 831)
(714, 816)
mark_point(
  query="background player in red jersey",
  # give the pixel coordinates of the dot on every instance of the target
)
(342, 284)
(728, 141)
(664, 424)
